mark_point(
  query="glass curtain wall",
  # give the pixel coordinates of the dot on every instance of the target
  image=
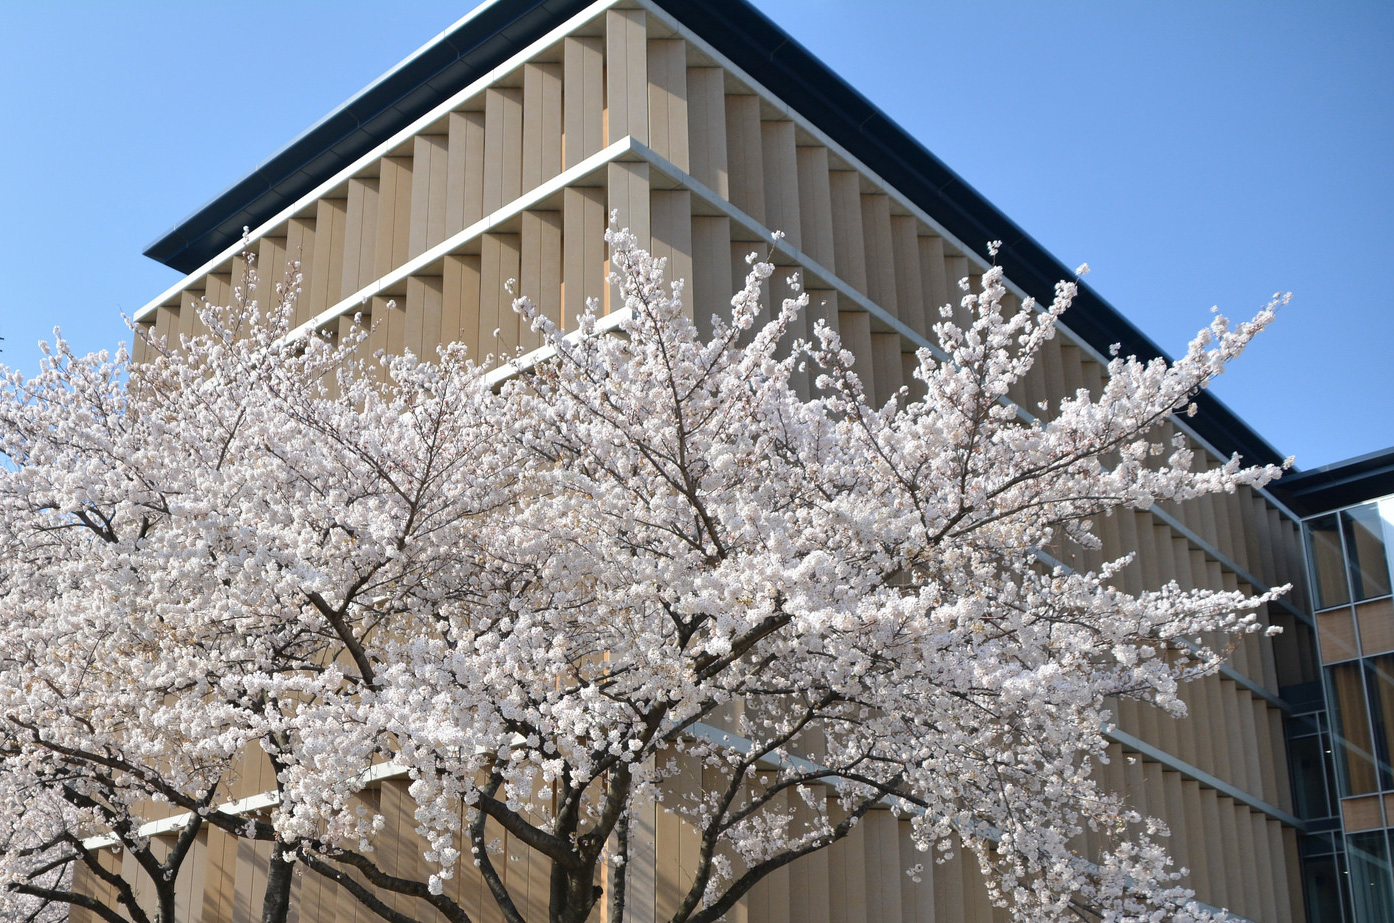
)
(1349, 552)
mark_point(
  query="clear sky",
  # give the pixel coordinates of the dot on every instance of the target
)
(1194, 153)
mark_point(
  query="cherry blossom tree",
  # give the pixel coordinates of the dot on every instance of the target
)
(548, 592)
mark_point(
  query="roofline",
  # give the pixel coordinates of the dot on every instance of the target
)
(1340, 484)
(492, 33)
(476, 43)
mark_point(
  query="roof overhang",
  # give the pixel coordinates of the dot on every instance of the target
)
(1345, 483)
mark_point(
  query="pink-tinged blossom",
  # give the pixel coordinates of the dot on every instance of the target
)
(548, 602)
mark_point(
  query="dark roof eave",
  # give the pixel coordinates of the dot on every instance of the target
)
(1344, 483)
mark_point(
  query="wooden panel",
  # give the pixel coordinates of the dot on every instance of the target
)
(541, 270)
(1199, 847)
(885, 366)
(394, 215)
(1173, 801)
(498, 325)
(1267, 869)
(847, 862)
(815, 205)
(706, 117)
(741, 251)
(711, 287)
(310, 894)
(220, 880)
(352, 328)
(676, 840)
(809, 898)
(423, 316)
(140, 343)
(272, 271)
(583, 104)
(849, 245)
(390, 852)
(1241, 865)
(1222, 740)
(140, 882)
(360, 234)
(855, 327)
(1336, 635)
(956, 268)
(935, 279)
(640, 880)
(253, 858)
(1376, 620)
(430, 181)
(460, 301)
(503, 143)
(389, 319)
(1229, 841)
(743, 156)
(464, 187)
(186, 323)
(1272, 760)
(1361, 813)
(916, 897)
(377, 321)
(909, 363)
(326, 276)
(1052, 369)
(346, 908)
(668, 134)
(671, 219)
(1218, 850)
(776, 883)
(949, 901)
(1245, 742)
(542, 123)
(883, 867)
(909, 288)
(300, 247)
(583, 249)
(166, 327)
(977, 907)
(781, 166)
(1297, 910)
(876, 226)
(626, 75)
(781, 290)
(629, 197)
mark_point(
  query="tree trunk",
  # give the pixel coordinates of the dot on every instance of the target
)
(276, 905)
(164, 892)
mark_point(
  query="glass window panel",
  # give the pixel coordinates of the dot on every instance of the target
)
(1379, 675)
(1371, 884)
(1302, 726)
(1369, 563)
(1328, 564)
(1323, 888)
(1355, 765)
(1309, 789)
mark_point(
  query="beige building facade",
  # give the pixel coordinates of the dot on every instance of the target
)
(498, 152)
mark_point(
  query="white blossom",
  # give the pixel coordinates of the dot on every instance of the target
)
(546, 603)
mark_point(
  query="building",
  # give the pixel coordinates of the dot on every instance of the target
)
(498, 151)
(1340, 744)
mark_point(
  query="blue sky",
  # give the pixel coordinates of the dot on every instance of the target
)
(1193, 153)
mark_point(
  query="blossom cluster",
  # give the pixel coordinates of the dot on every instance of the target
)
(261, 560)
